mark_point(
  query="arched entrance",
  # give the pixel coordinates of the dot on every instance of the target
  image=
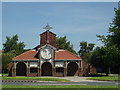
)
(46, 69)
(72, 69)
(21, 69)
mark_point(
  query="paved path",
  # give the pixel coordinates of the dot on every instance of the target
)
(62, 83)
(74, 81)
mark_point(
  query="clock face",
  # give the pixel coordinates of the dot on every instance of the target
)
(46, 53)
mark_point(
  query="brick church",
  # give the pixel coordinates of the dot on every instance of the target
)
(48, 59)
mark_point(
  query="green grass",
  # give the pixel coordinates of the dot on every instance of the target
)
(4, 74)
(105, 78)
(34, 78)
(57, 86)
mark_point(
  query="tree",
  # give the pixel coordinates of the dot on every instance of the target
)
(11, 49)
(96, 58)
(12, 44)
(105, 57)
(113, 38)
(0, 61)
(112, 43)
(6, 59)
(85, 50)
(63, 43)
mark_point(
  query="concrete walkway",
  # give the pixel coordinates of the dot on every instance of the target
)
(73, 79)
(63, 83)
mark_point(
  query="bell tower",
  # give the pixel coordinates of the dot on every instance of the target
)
(47, 37)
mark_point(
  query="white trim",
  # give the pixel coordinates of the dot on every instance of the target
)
(59, 64)
(47, 45)
(70, 62)
(61, 50)
(22, 62)
(33, 50)
(33, 64)
(46, 62)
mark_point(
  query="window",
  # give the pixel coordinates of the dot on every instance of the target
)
(60, 70)
(33, 70)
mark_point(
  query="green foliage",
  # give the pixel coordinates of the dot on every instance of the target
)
(0, 62)
(12, 44)
(18, 52)
(63, 43)
(0, 59)
(96, 57)
(35, 78)
(59, 87)
(6, 59)
(105, 78)
(105, 57)
(11, 49)
(114, 30)
(85, 50)
(111, 50)
(113, 37)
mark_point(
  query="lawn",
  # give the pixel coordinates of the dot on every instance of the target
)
(34, 78)
(57, 86)
(4, 74)
(105, 78)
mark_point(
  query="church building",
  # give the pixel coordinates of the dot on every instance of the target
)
(48, 59)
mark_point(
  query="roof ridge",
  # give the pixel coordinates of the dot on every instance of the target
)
(73, 54)
(22, 54)
(47, 31)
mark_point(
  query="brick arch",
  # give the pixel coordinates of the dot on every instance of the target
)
(21, 69)
(72, 69)
(46, 69)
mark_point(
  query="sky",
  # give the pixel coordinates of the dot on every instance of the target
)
(79, 21)
(59, 0)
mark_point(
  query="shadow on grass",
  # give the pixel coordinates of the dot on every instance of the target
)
(96, 75)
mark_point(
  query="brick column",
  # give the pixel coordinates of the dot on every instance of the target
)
(65, 69)
(53, 71)
(79, 68)
(39, 68)
(28, 68)
(53, 68)
(14, 70)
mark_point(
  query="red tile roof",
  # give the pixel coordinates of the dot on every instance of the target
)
(59, 55)
(29, 55)
(65, 55)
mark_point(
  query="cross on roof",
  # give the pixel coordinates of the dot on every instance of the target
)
(47, 27)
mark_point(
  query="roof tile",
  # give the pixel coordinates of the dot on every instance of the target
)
(65, 55)
(29, 55)
(59, 55)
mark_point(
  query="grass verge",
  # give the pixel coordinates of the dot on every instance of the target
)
(57, 86)
(34, 78)
(105, 78)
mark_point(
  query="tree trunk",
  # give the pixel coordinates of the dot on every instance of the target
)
(109, 70)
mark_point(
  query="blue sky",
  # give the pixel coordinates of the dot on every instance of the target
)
(78, 21)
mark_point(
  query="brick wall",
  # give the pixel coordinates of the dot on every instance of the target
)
(85, 68)
(47, 36)
(92, 69)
